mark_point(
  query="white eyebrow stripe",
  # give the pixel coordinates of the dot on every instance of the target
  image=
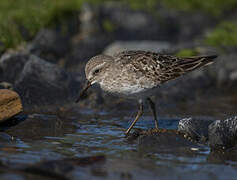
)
(96, 67)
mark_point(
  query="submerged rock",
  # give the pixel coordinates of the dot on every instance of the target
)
(38, 126)
(62, 169)
(222, 134)
(197, 129)
(10, 104)
(163, 141)
(222, 156)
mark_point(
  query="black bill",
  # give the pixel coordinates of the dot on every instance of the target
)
(88, 84)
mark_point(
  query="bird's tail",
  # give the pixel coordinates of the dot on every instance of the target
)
(192, 63)
(184, 65)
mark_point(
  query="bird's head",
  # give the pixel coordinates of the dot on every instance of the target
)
(95, 68)
(94, 71)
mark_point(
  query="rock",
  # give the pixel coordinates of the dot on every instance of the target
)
(126, 23)
(222, 157)
(222, 134)
(62, 169)
(39, 126)
(225, 73)
(83, 50)
(12, 122)
(41, 82)
(163, 141)
(50, 45)
(11, 65)
(197, 129)
(4, 137)
(154, 46)
(10, 104)
(122, 22)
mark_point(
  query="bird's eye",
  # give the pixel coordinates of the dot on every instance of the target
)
(96, 71)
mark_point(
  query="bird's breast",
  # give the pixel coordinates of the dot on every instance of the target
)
(126, 83)
(125, 89)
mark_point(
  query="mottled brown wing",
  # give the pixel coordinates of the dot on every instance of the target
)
(180, 66)
(160, 67)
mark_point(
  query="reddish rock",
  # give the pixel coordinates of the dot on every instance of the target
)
(10, 104)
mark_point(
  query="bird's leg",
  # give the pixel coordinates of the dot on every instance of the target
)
(153, 109)
(139, 114)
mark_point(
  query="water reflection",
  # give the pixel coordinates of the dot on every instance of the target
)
(80, 133)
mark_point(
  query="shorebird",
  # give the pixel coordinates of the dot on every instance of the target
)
(138, 74)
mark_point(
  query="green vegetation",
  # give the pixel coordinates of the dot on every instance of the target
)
(109, 26)
(187, 52)
(30, 16)
(213, 7)
(225, 34)
(141, 4)
(20, 20)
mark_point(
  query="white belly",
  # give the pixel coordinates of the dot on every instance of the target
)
(128, 91)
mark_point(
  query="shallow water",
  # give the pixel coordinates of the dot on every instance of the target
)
(74, 132)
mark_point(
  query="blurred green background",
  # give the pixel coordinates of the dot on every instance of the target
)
(20, 20)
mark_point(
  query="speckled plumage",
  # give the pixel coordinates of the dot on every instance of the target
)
(136, 74)
(133, 74)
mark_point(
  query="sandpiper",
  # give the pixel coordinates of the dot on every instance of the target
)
(137, 74)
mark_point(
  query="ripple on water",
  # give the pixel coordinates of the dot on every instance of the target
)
(89, 134)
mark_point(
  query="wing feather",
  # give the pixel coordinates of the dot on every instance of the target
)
(161, 67)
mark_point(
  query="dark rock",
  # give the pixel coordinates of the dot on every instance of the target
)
(11, 65)
(62, 169)
(9, 123)
(124, 23)
(4, 137)
(50, 45)
(187, 88)
(164, 141)
(38, 126)
(222, 156)
(131, 24)
(187, 26)
(225, 73)
(154, 46)
(41, 82)
(222, 134)
(195, 128)
(83, 50)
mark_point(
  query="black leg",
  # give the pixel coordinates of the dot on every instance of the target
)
(139, 114)
(153, 109)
